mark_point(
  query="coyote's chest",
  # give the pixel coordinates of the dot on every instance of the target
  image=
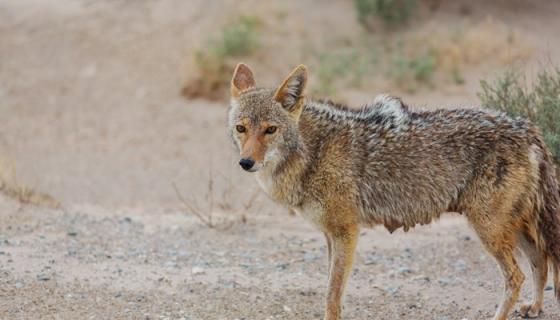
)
(269, 187)
(280, 188)
(289, 194)
(314, 213)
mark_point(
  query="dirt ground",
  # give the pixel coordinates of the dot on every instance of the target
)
(91, 113)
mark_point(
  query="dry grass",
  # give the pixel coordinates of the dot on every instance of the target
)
(486, 42)
(11, 188)
(206, 214)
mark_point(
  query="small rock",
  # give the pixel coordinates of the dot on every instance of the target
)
(197, 270)
(19, 285)
(422, 278)
(287, 309)
(403, 270)
(230, 284)
(309, 256)
(460, 265)
(43, 277)
(392, 290)
(282, 265)
(444, 281)
(307, 293)
(72, 233)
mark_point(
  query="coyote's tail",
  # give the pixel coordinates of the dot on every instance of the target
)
(549, 213)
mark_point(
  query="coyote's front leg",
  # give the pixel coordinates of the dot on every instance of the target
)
(343, 242)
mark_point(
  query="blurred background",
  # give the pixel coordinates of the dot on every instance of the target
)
(120, 193)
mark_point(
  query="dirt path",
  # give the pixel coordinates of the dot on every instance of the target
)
(90, 262)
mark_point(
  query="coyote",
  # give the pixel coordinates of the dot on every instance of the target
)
(343, 169)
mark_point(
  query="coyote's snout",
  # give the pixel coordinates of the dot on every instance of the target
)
(247, 164)
(343, 169)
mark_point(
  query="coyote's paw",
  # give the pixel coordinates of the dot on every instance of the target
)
(530, 310)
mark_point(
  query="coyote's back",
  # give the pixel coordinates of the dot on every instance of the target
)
(385, 164)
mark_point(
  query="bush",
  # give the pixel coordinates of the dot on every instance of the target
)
(344, 67)
(540, 103)
(409, 71)
(214, 62)
(391, 12)
(237, 39)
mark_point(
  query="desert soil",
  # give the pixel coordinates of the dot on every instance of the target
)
(91, 113)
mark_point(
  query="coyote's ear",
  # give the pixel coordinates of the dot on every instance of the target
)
(242, 80)
(290, 93)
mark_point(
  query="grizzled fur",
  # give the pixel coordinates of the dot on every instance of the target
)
(343, 169)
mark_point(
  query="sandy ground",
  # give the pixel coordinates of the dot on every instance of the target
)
(91, 114)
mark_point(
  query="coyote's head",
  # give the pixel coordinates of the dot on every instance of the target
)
(263, 123)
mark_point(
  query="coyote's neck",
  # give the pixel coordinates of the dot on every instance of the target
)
(283, 180)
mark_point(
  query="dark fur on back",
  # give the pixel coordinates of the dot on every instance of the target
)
(411, 166)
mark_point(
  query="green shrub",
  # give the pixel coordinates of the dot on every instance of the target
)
(214, 61)
(391, 12)
(408, 72)
(539, 103)
(345, 66)
(239, 38)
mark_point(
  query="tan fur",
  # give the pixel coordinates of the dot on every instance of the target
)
(254, 143)
(344, 169)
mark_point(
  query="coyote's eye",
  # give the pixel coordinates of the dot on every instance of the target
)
(240, 128)
(270, 130)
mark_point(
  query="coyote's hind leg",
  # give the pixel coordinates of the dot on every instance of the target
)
(539, 267)
(500, 241)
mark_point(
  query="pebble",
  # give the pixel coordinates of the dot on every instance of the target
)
(309, 256)
(43, 277)
(422, 278)
(444, 281)
(392, 290)
(197, 271)
(403, 270)
(282, 265)
(460, 266)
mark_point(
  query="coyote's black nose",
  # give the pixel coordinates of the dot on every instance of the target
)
(246, 164)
